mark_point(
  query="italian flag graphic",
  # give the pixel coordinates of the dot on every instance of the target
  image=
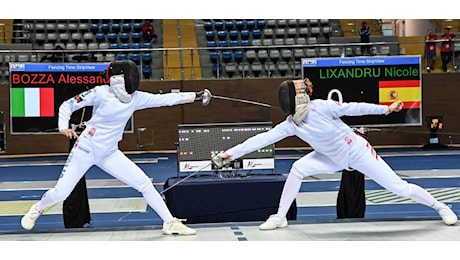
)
(32, 102)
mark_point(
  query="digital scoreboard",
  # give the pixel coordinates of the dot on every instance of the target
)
(375, 79)
(199, 142)
(38, 89)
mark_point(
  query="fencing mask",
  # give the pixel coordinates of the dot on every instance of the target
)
(130, 72)
(294, 98)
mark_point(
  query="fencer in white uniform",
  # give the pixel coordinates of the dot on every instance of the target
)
(336, 147)
(113, 105)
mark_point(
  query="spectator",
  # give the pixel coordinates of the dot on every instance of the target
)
(430, 52)
(446, 48)
(148, 32)
(55, 56)
(365, 33)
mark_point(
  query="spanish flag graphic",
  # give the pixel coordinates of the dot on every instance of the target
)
(408, 91)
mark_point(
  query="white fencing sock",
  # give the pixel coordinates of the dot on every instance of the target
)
(422, 196)
(155, 201)
(290, 190)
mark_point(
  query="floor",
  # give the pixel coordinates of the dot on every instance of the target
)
(121, 215)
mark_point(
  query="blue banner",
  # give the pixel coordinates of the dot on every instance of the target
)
(361, 61)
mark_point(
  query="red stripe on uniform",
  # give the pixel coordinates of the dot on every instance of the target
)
(399, 84)
(46, 101)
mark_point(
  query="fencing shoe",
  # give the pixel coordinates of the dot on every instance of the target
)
(274, 222)
(28, 221)
(175, 227)
(447, 215)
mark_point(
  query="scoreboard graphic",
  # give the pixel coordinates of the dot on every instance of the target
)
(376, 79)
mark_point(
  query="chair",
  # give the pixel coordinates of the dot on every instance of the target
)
(125, 45)
(384, 50)
(239, 25)
(292, 32)
(278, 41)
(257, 42)
(124, 37)
(348, 51)
(260, 24)
(245, 34)
(217, 69)
(234, 43)
(122, 56)
(135, 57)
(116, 27)
(274, 55)
(323, 52)
(52, 37)
(76, 37)
(286, 54)
(88, 37)
(114, 45)
(309, 53)
(299, 54)
(262, 55)
(64, 37)
(136, 46)
(147, 71)
(127, 27)
(250, 24)
(82, 27)
(271, 23)
(61, 27)
(335, 51)
(94, 27)
(267, 42)
(229, 25)
(238, 56)
(292, 23)
(70, 46)
(208, 26)
(82, 46)
(303, 32)
(212, 44)
(221, 35)
(300, 41)
(223, 43)
(245, 43)
(100, 37)
(136, 37)
(23, 58)
(110, 57)
(312, 40)
(289, 41)
(315, 31)
(227, 56)
(218, 25)
(281, 23)
(256, 68)
(51, 27)
(210, 35)
(251, 55)
(230, 69)
(282, 67)
(233, 34)
(280, 32)
(147, 45)
(213, 57)
(256, 33)
(268, 33)
(147, 58)
(137, 27)
(93, 46)
(105, 27)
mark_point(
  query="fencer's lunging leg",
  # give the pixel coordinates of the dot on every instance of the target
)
(290, 190)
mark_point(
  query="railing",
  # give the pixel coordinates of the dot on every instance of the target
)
(161, 70)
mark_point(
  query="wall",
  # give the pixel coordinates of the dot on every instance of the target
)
(440, 97)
